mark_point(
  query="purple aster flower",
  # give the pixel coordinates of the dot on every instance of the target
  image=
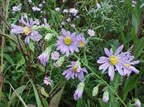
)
(67, 42)
(81, 41)
(16, 8)
(26, 30)
(79, 91)
(73, 11)
(34, 8)
(112, 62)
(47, 80)
(55, 55)
(75, 71)
(44, 57)
(91, 32)
(129, 64)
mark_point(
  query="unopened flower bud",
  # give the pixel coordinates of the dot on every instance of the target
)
(57, 9)
(105, 97)
(137, 103)
(79, 91)
(98, 5)
(59, 62)
(48, 36)
(95, 90)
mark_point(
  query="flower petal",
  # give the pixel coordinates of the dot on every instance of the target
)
(134, 69)
(111, 72)
(107, 52)
(119, 49)
(119, 69)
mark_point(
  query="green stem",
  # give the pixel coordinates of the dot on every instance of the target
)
(20, 98)
(5, 13)
(106, 84)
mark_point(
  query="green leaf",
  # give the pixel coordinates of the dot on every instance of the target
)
(20, 62)
(54, 102)
(138, 49)
(38, 101)
(103, 104)
(9, 58)
(31, 46)
(129, 85)
(17, 93)
(3, 100)
(31, 105)
(44, 101)
(80, 103)
(43, 92)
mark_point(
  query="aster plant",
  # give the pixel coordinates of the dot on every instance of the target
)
(26, 29)
(56, 65)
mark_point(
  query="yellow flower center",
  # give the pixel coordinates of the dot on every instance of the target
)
(127, 65)
(26, 30)
(113, 60)
(75, 68)
(81, 44)
(67, 40)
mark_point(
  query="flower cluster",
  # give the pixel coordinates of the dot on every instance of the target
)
(69, 42)
(118, 61)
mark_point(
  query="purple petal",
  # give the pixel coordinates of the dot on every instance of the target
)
(84, 70)
(134, 69)
(127, 72)
(27, 39)
(64, 32)
(71, 48)
(35, 36)
(102, 61)
(119, 69)
(107, 52)
(16, 29)
(104, 66)
(134, 62)
(119, 49)
(24, 22)
(81, 76)
(111, 72)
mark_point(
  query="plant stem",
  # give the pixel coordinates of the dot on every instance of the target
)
(106, 84)
(5, 13)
